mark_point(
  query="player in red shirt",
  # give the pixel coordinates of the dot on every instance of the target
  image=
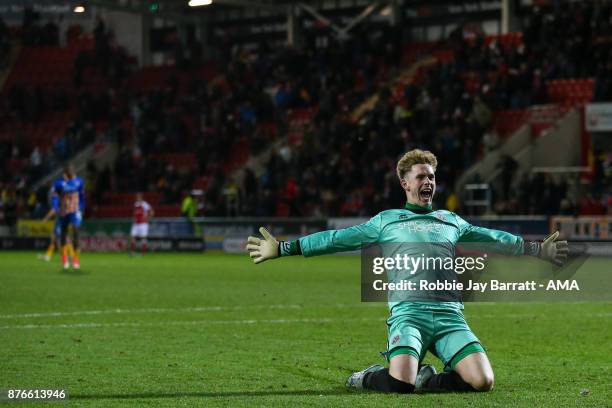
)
(143, 212)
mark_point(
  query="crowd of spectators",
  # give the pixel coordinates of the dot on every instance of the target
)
(340, 167)
(26, 105)
(34, 33)
(348, 169)
(573, 42)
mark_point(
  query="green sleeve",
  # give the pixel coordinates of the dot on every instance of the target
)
(347, 239)
(496, 241)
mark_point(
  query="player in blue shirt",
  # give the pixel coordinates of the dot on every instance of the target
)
(414, 327)
(69, 204)
(56, 232)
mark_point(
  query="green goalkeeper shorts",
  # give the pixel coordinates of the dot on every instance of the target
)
(443, 333)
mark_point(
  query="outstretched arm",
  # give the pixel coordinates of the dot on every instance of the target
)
(500, 242)
(503, 242)
(319, 243)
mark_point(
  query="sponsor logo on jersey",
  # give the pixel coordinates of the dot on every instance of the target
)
(395, 339)
(421, 226)
(441, 217)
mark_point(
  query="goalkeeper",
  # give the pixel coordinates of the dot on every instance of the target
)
(415, 327)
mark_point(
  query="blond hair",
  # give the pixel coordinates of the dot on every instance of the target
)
(416, 156)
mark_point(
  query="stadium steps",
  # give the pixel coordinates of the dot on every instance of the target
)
(538, 118)
(414, 51)
(101, 154)
(554, 145)
(564, 93)
(405, 77)
(419, 57)
(519, 127)
(256, 162)
(11, 60)
(557, 147)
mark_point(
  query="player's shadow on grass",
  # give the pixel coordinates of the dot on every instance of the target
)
(297, 393)
(73, 272)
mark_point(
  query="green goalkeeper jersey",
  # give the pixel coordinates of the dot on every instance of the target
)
(441, 230)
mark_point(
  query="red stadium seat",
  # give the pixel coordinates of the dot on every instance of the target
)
(571, 92)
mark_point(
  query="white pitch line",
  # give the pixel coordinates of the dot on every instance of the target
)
(147, 310)
(246, 307)
(174, 310)
(185, 323)
(243, 322)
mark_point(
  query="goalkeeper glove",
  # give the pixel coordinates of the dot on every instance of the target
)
(262, 249)
(554, 251)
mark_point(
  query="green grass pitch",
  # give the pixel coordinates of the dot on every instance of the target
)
(215, 330)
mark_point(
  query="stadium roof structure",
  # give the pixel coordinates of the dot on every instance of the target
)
(422, 11)
(285, 21)
(271, 5)
(323, 11)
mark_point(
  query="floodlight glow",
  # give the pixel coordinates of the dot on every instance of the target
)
(79, 9)
(196, 3)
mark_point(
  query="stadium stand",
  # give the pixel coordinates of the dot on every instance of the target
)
(178, 129)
